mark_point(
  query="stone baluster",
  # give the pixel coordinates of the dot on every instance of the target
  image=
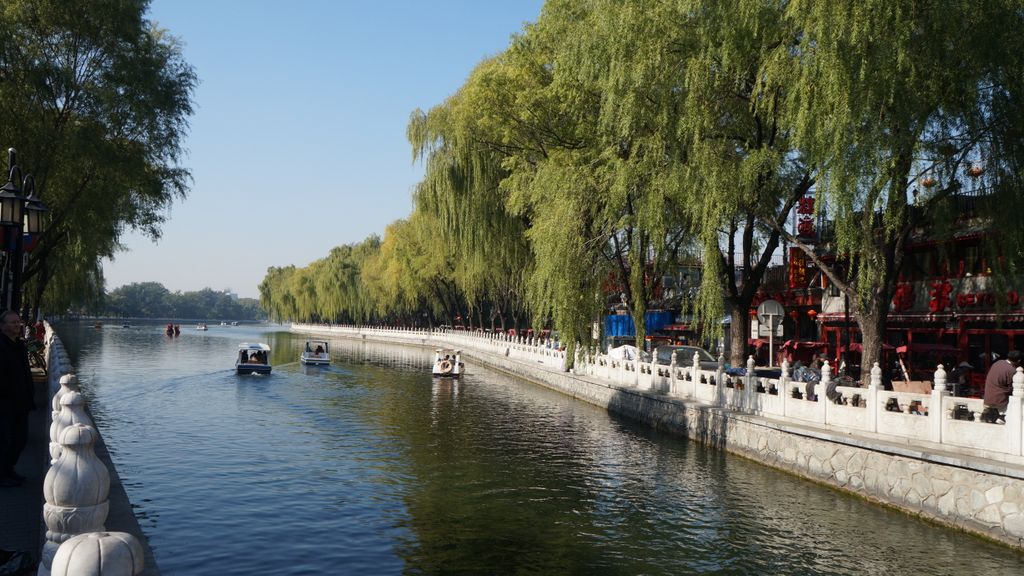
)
(695, 370)
(935, 411)
(750, 383)
(783, 387)
(68, 383)
(101, 554)
(673, 387)
(874, 386)
(75, 489)
(1015, 415)
(820, 393)
(72, 411)
(719, 376)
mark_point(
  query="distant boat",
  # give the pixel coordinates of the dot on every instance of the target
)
(97, 325)
(316, 352)
(235, 323)
(202, 327)
(253, 358)
(447, 363)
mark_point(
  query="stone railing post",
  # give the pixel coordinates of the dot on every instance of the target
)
(874, 385)
(719, 376)
(75, 490)
(68, 383)
(936, 413)
(820, 393)
(1015, 415)
(695, 372)
(783, 387)
(72, 411)
(673, 388)
(750, 386)
(99, 553)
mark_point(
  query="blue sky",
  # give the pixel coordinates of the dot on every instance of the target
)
(297, 144)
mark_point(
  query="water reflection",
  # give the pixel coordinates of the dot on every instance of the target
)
(371, 465)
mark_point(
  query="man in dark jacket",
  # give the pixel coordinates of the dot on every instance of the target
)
(16, 397)
(999, 385)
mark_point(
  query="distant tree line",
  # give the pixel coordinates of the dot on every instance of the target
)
(152, 300)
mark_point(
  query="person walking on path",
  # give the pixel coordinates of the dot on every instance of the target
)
(16, 397)
(999, 386)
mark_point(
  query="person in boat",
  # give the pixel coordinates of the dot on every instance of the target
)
(446, 364)
(319, 350)
(307, 347)
(243, 356)
(177, 329)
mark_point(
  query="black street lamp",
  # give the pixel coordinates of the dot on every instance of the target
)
(21, 212)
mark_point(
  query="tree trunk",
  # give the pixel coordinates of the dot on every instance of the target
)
(738, 331)
(871, 319)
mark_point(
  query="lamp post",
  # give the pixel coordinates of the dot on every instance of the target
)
(21, 213)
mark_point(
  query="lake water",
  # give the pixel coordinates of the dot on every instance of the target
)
(370, 466)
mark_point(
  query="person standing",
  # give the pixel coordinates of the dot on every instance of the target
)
(999, 386)
(16, 397)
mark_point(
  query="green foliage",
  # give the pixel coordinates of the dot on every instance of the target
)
(95, 98)
(614, 140)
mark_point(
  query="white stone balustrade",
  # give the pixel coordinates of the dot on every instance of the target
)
(921, 419)
(75, 491)
(99, 554)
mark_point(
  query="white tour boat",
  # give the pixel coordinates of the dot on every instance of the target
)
(201, 327)
(253, 358)
(447, 363)
(316, 352)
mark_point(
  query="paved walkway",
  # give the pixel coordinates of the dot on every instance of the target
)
(21, 507)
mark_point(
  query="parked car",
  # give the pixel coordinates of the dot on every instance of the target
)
(684, 356)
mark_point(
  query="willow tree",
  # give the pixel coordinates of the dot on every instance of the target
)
(339, 285)
(737, 171)
(95, 98)
(275, 295)
(597, 187)
(412, 273)
(893, 92)
(463, 147)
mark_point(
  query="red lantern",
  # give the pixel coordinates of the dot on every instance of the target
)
(812, 313)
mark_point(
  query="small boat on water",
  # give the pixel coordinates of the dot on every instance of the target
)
(447, 363)
(202, 327)
(253, 358)
(316, 352)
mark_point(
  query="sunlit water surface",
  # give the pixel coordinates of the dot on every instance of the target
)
(369, 466)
